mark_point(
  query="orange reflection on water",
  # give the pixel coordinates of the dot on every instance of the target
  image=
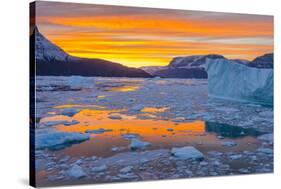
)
(154, 109)
(159, 133)
(126, 88)
(96, 119)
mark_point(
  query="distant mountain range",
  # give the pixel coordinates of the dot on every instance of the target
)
(193, 66)
(52, 60)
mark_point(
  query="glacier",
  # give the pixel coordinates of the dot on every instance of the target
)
(233, 81)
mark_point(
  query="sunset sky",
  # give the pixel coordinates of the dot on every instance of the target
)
(150, 37)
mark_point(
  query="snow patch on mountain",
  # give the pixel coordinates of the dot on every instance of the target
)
(47, 51)
(192, 61)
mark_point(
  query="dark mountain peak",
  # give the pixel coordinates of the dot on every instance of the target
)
(35, 29)
(264, 61)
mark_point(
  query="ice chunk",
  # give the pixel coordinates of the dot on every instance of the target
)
(235, 156)
(56, 140)
(94, 158)
(73, 122)
(265, 150)
(69, 111)
(137, 108)
(117, 149)
(229, 80)
(127, 176)
(99, 168)
(229, 143)
(126, 169)
(98, 131)
(53, 123)
(187, 153)
(114, 117)
(266, 137)
(138, 144)
(130, 136)
(76, 171)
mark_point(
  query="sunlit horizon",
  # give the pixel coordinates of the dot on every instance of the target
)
(137, 37)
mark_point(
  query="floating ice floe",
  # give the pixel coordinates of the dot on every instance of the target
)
(73, 122)
(137, 108)
(126, 169)
(130, 136)
(53, 123)
(138, 144)
(127, 176)
(266, 137)
(233, 81)
(70, 111)
(99, 168)
(112, 116)
(179, 119)
(229, 143)
(76, 171)
(265, 150)
(57, 140)
(220, 137)
(117, 149)
(94, 158)
(98, 131)
(235, 156)
(187, 153)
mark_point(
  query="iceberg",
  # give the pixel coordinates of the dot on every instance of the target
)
(233, 81)
(187, 153)
(138, 144)
(58, 140)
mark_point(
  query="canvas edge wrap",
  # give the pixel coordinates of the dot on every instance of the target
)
(32, 122)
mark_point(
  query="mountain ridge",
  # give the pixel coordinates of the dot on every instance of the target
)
(193, 66)
(51, 60)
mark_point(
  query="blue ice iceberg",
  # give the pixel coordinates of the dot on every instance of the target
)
(233, 81)
(58, 140)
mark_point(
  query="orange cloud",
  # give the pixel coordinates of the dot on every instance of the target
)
(139, 39)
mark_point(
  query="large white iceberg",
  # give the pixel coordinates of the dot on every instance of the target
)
(230, 80)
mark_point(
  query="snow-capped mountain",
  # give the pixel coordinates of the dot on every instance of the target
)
(52, 60)
(183, 67)
(192, 61)
(46, 50)
(153, 69)
(194, 66)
